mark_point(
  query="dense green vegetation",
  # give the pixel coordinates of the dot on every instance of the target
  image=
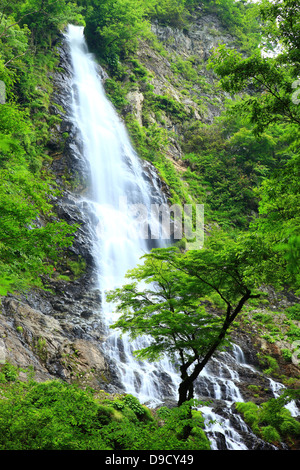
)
(31, 237)
(58, 416)
(244, 166)
(271, 421)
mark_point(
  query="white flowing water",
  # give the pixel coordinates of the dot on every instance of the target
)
(121, 201)
(117, 187)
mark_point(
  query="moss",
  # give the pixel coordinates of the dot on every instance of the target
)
(253, 388)
(270, 421)
(269, 434)
(105, 414)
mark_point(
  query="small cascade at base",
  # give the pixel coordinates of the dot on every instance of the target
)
(219, 382)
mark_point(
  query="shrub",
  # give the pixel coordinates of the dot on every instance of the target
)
(287, 354)
(273, 365)
(8, 373)
(270, 434)
(293, 312)
(57, 416)
(271, 421)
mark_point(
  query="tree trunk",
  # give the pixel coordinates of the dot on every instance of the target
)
(186, 388)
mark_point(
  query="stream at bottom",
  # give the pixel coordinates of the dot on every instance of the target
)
(219, 388)
(220, 383)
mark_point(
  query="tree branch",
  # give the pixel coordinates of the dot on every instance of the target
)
(16, 57)
(40, 10)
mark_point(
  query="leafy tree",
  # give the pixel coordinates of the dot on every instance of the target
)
(168, 12)
(13, 47)
(46, 18)
(279, 217)
(281, 28)
(270, 82)
(114, 27)
(268, 88)
(167, 302)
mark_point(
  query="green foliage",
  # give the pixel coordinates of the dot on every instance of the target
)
(293, 312)
(293, 333)
(168, 12)
(286, 354)
(227, 164)
(281, 27)
(279, 214)
(177, 421)
(75, 269)
(273, 365)
(28, 236)
(266, 85)
(57, 416)
(241, 19)
(31, 237)
(117, 93)
(47, 19)
(113, 27)
(271, 420)
(149, 141)
(133, 403)
(169, 174)
(269, 79)
(165, 301)
(185, 68)
(8, 373)
(270, 434)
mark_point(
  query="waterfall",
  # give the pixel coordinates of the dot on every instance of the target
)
(118, 191)
(120, 197)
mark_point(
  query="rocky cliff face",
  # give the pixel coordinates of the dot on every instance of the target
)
(179, 71)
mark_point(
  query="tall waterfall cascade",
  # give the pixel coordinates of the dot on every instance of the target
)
(117, 183)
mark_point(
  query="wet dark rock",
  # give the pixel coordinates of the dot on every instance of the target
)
(158, 186)
(66, 142)
(221, 440)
